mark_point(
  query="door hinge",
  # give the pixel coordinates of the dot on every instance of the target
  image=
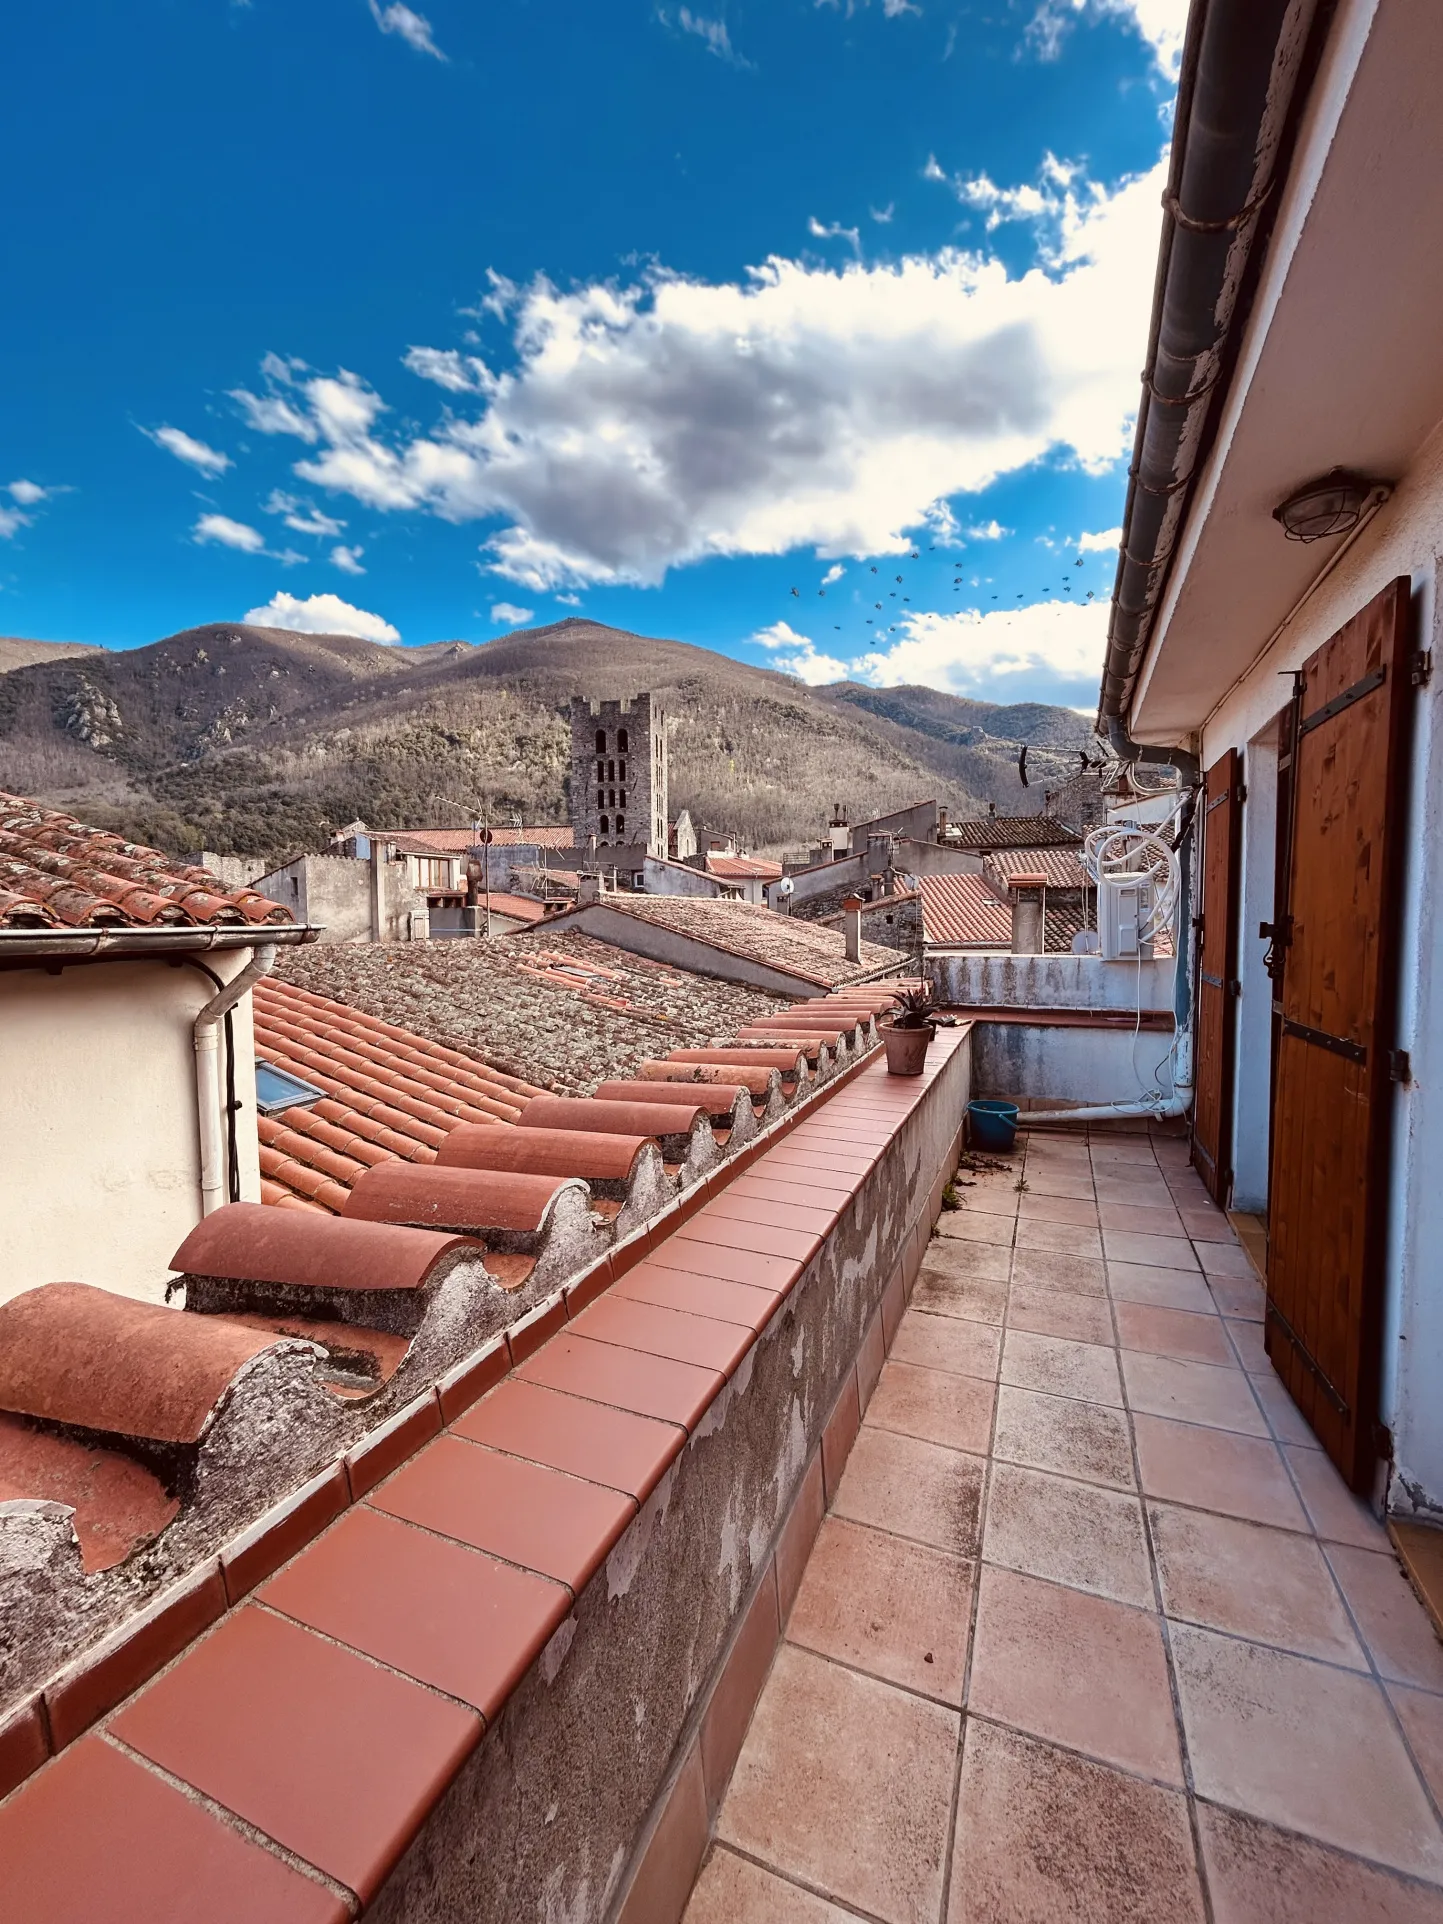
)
(1420, 667)
(1400, 1069)
(1235, 987)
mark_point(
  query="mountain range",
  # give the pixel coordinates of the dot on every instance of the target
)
(261, 741)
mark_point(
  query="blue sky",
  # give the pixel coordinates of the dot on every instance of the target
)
(422, 324)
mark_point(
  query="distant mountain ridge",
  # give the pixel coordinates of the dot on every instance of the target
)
(261, 740)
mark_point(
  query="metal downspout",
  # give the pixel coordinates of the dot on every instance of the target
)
(207, 1074)
(1247, 65)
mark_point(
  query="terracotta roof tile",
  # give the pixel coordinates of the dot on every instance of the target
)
(743, 868)
(802, 949)
(56, 872)
(1060, 867)
(1011, 831)
(962, 911)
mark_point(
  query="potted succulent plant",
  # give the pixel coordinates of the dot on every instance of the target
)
(908, 1034)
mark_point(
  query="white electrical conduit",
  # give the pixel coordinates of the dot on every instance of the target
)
(207, 1075)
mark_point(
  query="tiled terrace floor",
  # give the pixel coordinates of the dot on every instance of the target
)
(1092, 1631)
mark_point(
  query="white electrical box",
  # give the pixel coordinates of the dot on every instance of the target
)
(1124, 909)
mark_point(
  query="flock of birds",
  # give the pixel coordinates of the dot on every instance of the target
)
(957, 586)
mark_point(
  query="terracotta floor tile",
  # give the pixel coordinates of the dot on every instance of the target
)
(1046, 1269)
(1080, 1211)
(937, 1405)
(847, 1783)
(950, 1256)
(1056, 1433)
(97, 1837)
(772, 1188)
(698, 1295)
(1421, 1714)
(1046, 1182)
(733, 1890)
(336, 1759)
(626, 1379)
(1285, 1419)
(445, 1615)
(1305, 1746)
(1205, 1224)
(1057, 1312)
(1173, 1332)
(1081, 1671)
(913, 1489)
(519, 1511)
(947, 1343)
(725, 1232)
(976, 1299)
(1337, 1514)
(1167, 1288)
(677, 1334)
(1071, 1533)
(776, 1273)
(1135, 1188)
(1162, 1252)
(1258, 1875)
(1191, 1392)
(1236, 1297)
(1227, 1261)
(1044, 1837)
(569, 1433)
(1148, 1219)
(1271, 1586)
(1240, 1476)
(1066, 1239)
(975, 1226)
(989, 1199)
(788, 1212)
(1396, 1628)
(1084, 1370)
(1247, 1341)
(897, 1610)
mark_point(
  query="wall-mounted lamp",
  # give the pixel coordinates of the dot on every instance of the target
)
(1333, 504)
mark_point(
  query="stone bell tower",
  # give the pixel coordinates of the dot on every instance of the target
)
(619, 774)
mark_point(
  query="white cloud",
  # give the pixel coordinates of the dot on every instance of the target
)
(967, 651)
(229, 534)
(303, 516)
(11, 522)
(713, 34)
(1162, 24)
(649, 425)
(569, 601)
(883, 214)
(27, 493)
(835, 231)
(414, 28)
(802, 658)
(348, 560)
(458, 373)
(891, 9)
(834, 573)
(186, 448)
(320, 615)
(986, 531)
(1103, 542)
(508, 612)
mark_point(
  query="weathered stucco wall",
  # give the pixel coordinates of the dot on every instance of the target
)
(554, 1812)
(1052, 982)
(1018, 1061)
(99, 1140)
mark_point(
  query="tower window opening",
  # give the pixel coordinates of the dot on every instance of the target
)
(601, 741)
(611, 771)
(600, 769)
(603, 827)
(621, 741)
(622, 776)
(601, 798)
(621, 824)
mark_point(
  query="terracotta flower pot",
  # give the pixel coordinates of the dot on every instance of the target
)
(907, 1049)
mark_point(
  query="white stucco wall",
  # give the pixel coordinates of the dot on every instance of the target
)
(1016, 1061)
(1406, 538)
(1051, 981)
(99, 1140)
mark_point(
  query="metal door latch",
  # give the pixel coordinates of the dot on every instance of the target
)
(1399, 1067)
(1420, 667)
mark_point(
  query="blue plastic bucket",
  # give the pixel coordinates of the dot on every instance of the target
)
(993, 1124)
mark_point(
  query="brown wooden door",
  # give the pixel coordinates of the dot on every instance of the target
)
(1332, 1096)
(1217, 968)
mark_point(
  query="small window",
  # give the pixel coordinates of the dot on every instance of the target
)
(622, 776)
(621, 825)
(601, 741)
(621, 797)
(611, 797)
(604, 829)
(601, 769)
(621, 741)
(277, 1089)
(601, 798)
(611, 771)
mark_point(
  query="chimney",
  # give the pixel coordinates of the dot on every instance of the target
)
(1028, 893)
(992, 811)
(588, 889)
(852, 926)
(378, 892)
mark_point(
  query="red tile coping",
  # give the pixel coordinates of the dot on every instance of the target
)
(671, 1116)
(543, 1152)
(468, 1201)
(713, 1098)
(251, 1242)
(520, 1485)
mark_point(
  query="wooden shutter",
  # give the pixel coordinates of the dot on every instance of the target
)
(1217, 968)
(1332, 1097)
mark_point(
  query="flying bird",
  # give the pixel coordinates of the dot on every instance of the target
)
(798, 593)
(1022, 766)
